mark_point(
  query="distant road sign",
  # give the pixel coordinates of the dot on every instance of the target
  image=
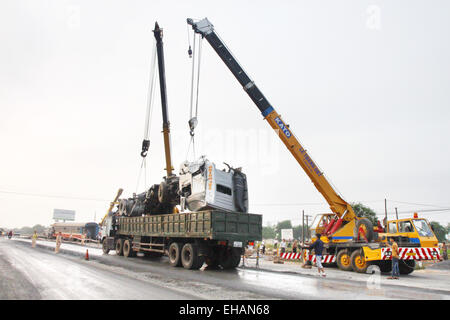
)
(287, 234)
(61, 214)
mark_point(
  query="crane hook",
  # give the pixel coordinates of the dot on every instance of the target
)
(192, 124)
(145, 146)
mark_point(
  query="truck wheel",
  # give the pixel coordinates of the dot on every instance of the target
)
(190, 258)
(174, 254)
(105, 247)
(229, 258)
(343, 260)
(128, 249)
(406, 266)
(163, 192)
(359, 263)
(119, 247)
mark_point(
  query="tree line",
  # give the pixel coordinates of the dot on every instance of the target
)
(274, 231)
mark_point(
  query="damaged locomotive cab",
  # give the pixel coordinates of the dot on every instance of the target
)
(202, 186)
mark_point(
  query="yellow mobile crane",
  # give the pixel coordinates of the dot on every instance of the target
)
(350, 240)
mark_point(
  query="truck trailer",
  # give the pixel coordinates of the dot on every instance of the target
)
(215, 237)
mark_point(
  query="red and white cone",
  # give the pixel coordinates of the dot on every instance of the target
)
(86, 257)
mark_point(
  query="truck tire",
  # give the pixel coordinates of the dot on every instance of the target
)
(128, 249)
(359, 263)
(105, 247)
(229, 258)
(119, 247)
(343, 260)
(406, 266)
(174, 254)
(367, 226)
(190, 258)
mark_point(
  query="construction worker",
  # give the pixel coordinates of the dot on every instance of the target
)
(58, 242)
(83, 238)
(283, 246)
(394, 248)
(10, 234)
(318, 248)
(444, 251)
(294, 246)
(34, 239)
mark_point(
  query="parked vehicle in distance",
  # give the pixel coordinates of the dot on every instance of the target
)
(74, 230)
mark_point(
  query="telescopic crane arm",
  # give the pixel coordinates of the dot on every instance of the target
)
(337, 204)
(111, 206)
(158, 32)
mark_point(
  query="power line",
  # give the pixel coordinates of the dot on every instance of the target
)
(302, 204)
(418, 204)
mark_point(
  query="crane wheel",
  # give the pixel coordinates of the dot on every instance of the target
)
(359, 263)
(343, 260)
(174, 254)
(406, 266)
(119, 247)
(128, 249)
(364, 230)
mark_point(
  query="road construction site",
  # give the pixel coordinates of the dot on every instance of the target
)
(197, 221)
(39, 273)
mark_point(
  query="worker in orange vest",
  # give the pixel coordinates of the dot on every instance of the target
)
(394, 248)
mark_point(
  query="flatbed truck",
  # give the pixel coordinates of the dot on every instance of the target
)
(215, 237)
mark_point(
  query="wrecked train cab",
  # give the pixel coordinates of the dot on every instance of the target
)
(202, 186)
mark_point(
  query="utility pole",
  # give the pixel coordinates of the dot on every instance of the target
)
(308, 236)
(385, 209)
(303, 227)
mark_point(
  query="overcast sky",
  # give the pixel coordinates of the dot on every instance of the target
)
(364, 85)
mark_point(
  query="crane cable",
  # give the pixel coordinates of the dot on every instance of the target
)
(148, 117)
(195, 84)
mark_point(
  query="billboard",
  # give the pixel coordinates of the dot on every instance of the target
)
(287, 234)
(62, 214)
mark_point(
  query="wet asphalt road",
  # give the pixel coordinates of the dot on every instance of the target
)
(41, 274)
(36, 274)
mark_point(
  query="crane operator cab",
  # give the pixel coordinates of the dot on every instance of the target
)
(202, 186)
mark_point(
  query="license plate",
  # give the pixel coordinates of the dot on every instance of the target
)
(237, 244)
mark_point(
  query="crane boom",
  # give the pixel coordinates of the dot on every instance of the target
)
(337, 204)
(158, 32)
(111, 206)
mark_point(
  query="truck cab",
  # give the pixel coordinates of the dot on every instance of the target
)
(414, 230)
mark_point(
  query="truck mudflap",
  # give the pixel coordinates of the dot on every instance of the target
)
(412, 253)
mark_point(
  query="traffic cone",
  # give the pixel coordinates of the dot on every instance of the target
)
(86, 257)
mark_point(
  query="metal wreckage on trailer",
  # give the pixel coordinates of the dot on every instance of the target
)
(200, 215)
